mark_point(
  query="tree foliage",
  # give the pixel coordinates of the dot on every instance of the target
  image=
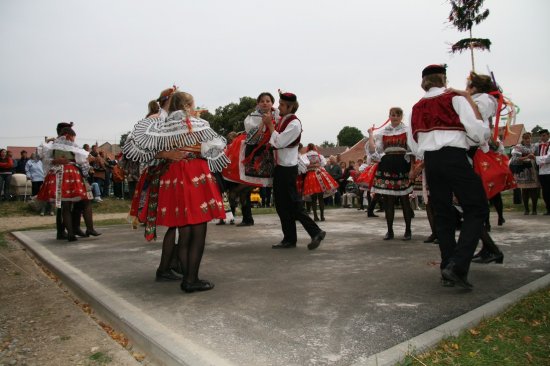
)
(230, 117)
(123, 138)
(349, 136)
(464, 15)
(326, 143)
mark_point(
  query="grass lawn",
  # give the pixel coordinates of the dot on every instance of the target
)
(518, 336)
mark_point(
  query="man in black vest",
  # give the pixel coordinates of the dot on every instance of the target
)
(444, 125)
(285, 136)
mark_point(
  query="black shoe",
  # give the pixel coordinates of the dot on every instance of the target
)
(388, 236)
(447, 283)
(380, 210)
(165, 276)
(221, 222)
(71, 238)
(245, 224)
(284, 245)
(407, 236)
(501, 221)
(526, 213)
(316, 240)
(449, 273)
(79, 232)
(370, 214)
(315, 218)
(489, 257)
(199, 285)
(481, 253)
(61, 236)
(92, 232)
(322, 218)
(430, 239)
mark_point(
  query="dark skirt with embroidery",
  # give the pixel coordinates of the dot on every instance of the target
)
(392, 176)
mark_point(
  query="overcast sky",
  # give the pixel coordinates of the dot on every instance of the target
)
(99, 62)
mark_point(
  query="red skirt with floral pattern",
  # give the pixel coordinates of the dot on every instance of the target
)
(72, 186)
(319, 181)
(187, 195)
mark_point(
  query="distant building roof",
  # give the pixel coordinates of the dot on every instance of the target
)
(335, 150)
(355, 152)
(16, 150)
(514, 136)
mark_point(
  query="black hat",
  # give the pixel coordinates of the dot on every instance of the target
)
(544, 130)
(434, 69)
(288, 97)
(62, 125)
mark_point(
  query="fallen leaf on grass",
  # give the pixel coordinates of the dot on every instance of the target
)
(527, 339)
(487, 339)
(529, 357)
(138, 356)
(473, 331)
(473, 354)
(535, 323)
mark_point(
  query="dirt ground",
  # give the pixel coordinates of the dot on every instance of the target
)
(41, 323)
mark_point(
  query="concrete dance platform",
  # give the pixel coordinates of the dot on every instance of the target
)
(356, 300)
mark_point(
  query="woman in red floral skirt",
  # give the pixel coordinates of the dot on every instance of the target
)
(318, 183)
(66, 164)
(182, 191)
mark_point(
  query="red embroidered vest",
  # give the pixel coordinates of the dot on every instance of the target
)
(435, 113)
(282, 126)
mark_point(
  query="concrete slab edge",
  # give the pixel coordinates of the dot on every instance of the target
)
(158, 342)
(422, 342)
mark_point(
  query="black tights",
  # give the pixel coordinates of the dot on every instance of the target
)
(83, 208)
(496, 201)
(191, 248)
(532, 193)
(389, 208)
(66, 214)
(431, 215)
(318, 197)
(191, 242)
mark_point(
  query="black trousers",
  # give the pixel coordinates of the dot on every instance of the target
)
(544, 180)
(289, 204)
(449, 172)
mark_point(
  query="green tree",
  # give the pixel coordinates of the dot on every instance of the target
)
(123, 138)
(464, 14)
(536, 130)
(349, 136)
(231, 117)
(326, 143)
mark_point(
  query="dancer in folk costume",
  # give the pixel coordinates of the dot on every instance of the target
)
(392, 175)
(157, 109)
(251, 157)
(523, 166)
(543, 162)
(366, 176)
(318, 183)
(489, 160)
(67, 165)
(182, 191)
(285, 136)
(442, 129)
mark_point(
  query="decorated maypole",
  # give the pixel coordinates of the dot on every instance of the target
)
(464, 14)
